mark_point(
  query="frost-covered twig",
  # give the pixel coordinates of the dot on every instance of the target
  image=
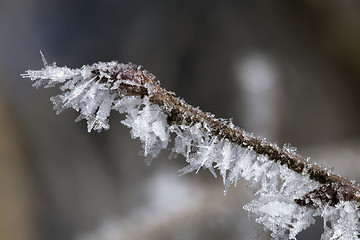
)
(290, 190)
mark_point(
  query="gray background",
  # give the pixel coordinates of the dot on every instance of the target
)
(286, 70)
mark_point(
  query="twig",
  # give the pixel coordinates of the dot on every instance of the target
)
(291, 190)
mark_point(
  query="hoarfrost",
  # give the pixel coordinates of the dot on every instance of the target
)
(147, 123)
(275, 186)
(341, 222)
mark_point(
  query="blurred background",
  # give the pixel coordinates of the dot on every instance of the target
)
(285, 70)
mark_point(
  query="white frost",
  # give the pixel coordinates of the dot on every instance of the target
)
(147, 123)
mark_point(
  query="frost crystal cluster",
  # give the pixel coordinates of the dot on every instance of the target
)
(289, 192)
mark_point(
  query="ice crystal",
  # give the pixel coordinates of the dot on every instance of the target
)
(93, 91)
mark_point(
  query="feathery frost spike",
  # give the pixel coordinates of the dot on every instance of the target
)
(289, 190)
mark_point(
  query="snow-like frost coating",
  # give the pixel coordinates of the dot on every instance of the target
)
(147, 122)
(275, 186)
(341, 222)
